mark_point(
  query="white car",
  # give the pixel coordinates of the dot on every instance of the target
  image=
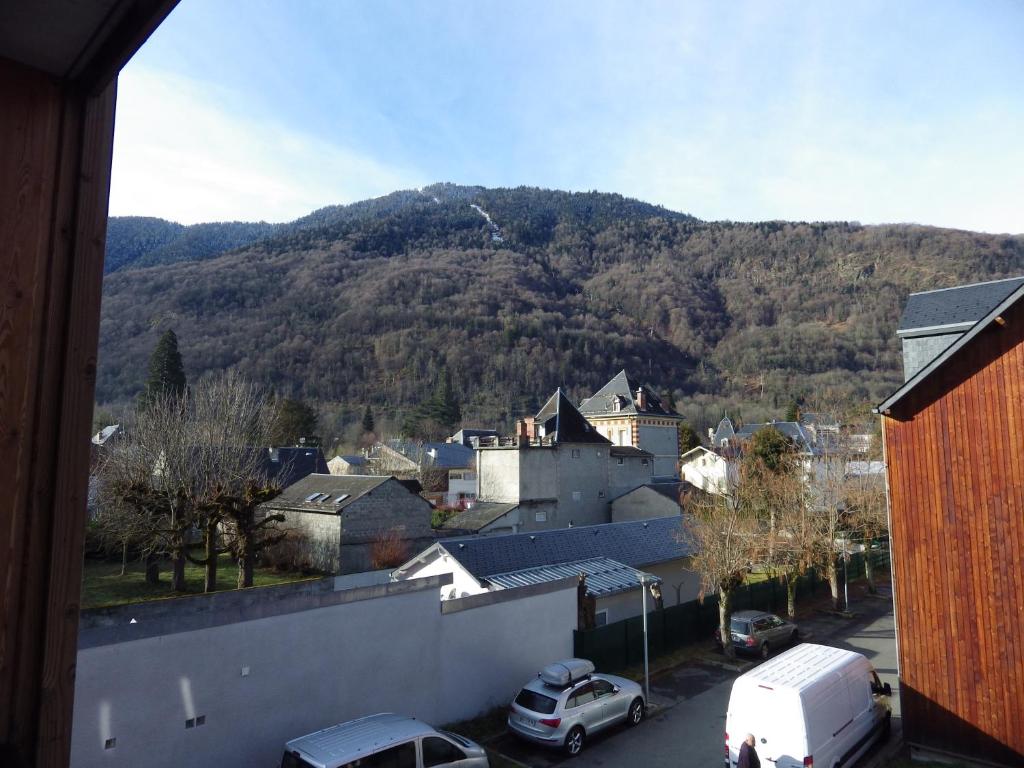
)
(568, 701)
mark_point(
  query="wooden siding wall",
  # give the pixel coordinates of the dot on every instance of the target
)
(55, 152)
(955, 453)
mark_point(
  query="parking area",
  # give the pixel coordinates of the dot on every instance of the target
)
(686, 723)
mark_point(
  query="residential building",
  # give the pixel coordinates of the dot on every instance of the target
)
(488, 517)
(723, 436)
(707, 470)
(952, 436)
(934, 320)
(354, 464)
(287, 465)
(336, 521)
(658, 547)
(559, 469)
(629, 414)
(654, 500)
(469, 437)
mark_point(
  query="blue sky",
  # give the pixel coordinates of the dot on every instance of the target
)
(867, 111)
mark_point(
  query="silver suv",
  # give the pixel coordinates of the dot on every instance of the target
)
(567, 702)
(759, 632)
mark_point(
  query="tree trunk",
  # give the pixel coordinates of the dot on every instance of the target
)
(210, 536)
(724, 616)
(869, 572)
(245, 569)
(124, 557)
(791, 595)
(152, 568)
(178, 571)
(833, 582)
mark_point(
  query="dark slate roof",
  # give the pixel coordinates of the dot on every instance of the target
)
(562, 423)
(287, 465)
(634, 543)
(481, 514)
(791, 429)
(961, 306)
(351, 487)
(624, 389)
(355, 461)
(629, 450)
(923, 374)
(604, 576)
(443, 455)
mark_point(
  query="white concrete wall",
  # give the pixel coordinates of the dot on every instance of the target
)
(707, 471)
(261, 681)
(676, 574)
(498, 474)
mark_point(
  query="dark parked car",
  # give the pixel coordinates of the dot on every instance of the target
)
(759, 632)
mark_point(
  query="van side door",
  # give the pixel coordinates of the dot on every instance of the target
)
(438, 751)
(398, 756)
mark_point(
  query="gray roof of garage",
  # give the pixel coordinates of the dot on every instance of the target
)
(604, 576)
(635, 543)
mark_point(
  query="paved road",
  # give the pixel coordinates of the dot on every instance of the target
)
(686, 730)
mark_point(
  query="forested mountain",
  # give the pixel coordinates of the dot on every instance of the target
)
(141, 241)
(370, 303)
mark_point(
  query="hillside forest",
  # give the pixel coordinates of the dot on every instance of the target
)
(379, 303)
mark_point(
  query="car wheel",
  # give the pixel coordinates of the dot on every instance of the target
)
(764, 650)
(574, 741)
(636, 712)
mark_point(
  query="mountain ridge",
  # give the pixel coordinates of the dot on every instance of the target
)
(369, 303)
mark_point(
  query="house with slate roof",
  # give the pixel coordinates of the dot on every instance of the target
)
(353, 464)
(953, 439)
(933, 320)
(661, 499)
(613, 554)
(558, 470)
(289, 464)
(335, 520)
(629, 414)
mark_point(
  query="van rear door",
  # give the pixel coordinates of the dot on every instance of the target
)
(775, 719)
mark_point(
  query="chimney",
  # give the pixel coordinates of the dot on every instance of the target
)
(525, 428)
(641, 399)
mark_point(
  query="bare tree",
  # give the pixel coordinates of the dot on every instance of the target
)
(728, 538)
(193, 461)
(232, 422)
(834, 448)
(147, 483)
(867, 514)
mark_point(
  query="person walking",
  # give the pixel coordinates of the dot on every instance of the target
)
(748, 755)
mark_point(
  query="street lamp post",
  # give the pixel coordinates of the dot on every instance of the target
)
(647, 681)
(846, 579)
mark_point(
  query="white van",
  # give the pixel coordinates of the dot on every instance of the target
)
(382, 741)
(810, 706)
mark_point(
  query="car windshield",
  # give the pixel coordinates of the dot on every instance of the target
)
(740, 626)
(536, 702)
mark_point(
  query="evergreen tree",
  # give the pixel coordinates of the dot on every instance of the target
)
(368, 425)
(295, 420)
(688, 438)
(166, 372)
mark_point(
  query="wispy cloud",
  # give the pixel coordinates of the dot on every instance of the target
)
(183, 152)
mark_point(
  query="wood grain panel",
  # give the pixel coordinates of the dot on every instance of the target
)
(956, 490)
(53, 194)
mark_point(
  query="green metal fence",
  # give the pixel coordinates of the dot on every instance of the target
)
(619, 645)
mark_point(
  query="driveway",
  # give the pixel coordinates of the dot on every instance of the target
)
(688, 722)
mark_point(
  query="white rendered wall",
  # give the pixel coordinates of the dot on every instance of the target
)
(262, 681)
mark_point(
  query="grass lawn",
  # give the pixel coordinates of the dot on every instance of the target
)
(103, 585)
